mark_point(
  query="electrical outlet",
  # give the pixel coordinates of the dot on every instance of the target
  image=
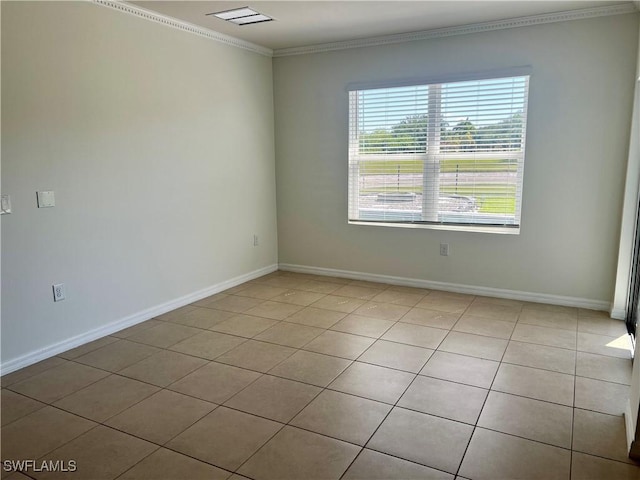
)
(58, 292)
(444, 249)
(255, 240)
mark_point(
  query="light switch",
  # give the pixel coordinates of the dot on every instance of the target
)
(46, 199)
(5, 204)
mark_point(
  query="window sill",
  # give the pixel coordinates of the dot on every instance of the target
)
(454, 228)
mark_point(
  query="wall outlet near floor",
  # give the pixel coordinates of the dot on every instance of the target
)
(444, 249)
(58, 292)
(255, 240)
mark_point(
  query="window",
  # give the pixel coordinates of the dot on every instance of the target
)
(444, 155)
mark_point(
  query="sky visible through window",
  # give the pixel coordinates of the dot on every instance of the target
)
(481, 102)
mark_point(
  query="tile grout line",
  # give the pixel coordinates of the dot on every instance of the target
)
(475, 426)
(415, 376)
(395, 405)
(283, 425)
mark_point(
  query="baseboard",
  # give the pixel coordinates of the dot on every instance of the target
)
(452, 287)
(112, 327)
(618, 313)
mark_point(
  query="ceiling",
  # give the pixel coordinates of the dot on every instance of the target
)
(301, 23)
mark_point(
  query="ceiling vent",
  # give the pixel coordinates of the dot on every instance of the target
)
(242, 16)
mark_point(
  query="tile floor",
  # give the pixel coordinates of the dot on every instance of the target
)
(295, 376)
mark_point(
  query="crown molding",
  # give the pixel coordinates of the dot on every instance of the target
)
(184, 26)
(617, 9)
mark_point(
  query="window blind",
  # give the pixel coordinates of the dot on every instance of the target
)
(439, 153)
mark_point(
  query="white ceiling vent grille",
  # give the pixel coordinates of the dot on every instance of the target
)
(242, 16)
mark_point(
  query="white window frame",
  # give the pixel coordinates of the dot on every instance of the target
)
(431, 158)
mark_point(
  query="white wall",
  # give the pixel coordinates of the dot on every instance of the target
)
(624, 262)
(629, 210)
(579, 110)
(159, 147)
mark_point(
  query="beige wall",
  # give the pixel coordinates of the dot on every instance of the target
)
(579, 111)
(159, 147)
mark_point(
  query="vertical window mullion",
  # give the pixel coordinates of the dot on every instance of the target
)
(431, 168)
(354, 158)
